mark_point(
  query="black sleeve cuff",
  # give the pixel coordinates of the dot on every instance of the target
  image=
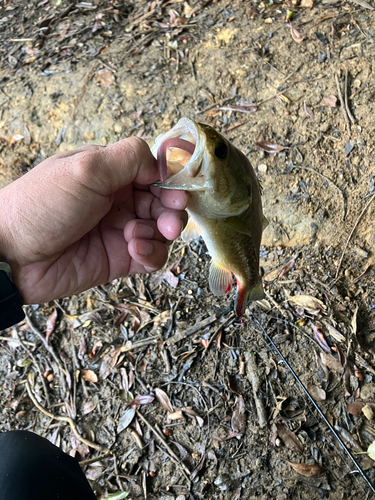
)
(11, 303)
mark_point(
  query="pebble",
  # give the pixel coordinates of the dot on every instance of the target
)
(262, 168)
(117, 127)
(359, 251)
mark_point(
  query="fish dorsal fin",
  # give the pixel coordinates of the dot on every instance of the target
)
(237, 224)
(191, 231)
(265, 222)
(220, 279)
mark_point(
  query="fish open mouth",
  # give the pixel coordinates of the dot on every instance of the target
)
(182, 151)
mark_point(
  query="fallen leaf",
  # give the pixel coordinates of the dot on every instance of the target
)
(166, 276)
(307, 302)
(333, 332)
(126, 419)
(331, 362)
(355, 408)
(317, 393)
(184, 454)
(363, 4)
(231, 435)
(238, 420)
(90, 376)
(319, 337)
(51, 322)
(330, 101)
(308, 470)
(308, 110)
(163, 399)
(88, 407)
(270, 147)
(141, 400)
(289, 439)
(175, 415)
(280, 270)
(296, 35)
(371, 450)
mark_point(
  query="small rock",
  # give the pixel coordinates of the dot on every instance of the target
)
(359, 251)
(117, 127)
(368, 412)
(368, 391)
(262, 168)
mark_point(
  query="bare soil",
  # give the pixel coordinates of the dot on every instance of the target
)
(74, 73)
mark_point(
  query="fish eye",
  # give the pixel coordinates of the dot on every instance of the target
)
(221, 150)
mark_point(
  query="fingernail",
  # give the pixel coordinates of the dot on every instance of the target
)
(145, 248)
(143, 231)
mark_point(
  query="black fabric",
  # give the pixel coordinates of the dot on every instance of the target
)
(32, 468)
(11, 311)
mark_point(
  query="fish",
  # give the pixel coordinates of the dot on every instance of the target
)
(224, 204)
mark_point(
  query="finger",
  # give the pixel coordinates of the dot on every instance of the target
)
(144, 230)
(171, 198)
(171, 223)
(107, 170)
(152, 255)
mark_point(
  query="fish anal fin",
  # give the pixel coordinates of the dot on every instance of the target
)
(244, 296)
(237, 224)
(220, 279)
(191, 231)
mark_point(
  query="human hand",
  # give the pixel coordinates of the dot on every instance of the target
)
(86, 217)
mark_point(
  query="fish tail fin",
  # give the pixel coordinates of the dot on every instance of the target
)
(244, 296)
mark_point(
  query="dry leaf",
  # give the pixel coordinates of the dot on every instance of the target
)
(296, 35)
(371, 450)
(126, 419)
(88, 407)
(175, 415)
(308, 110)
(331, 362)
(166, 276)
(51, 322)
(317, 393)
(231, 435)
(333, 332)
(184, 454)
(90, 376)
(319, 337)
(163, 399)
(308, 470)
(289, 439)
(307, 302)
(238, 420)
(330, 101)
(355, 408)
(141, 400)
(281, 270)
(270, 147)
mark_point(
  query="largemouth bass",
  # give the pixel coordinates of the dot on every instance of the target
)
(224, 205)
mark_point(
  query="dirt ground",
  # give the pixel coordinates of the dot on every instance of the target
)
(206, 387)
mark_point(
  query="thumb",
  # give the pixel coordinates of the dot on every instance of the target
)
(107, 170)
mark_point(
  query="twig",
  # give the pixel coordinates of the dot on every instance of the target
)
(352, 232)
(164, 442)
(83, 463)
(342, 104)
(331, 182)
(64, 419)
(85, 80)
(190, 331)
(351, 117)
(253, 377)
(17, 341)
(315, 405)
(141, 343)
(48, 346)
(38, 368)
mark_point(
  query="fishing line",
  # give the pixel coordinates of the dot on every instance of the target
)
(311, 399)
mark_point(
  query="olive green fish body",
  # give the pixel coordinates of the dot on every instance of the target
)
(224, 206)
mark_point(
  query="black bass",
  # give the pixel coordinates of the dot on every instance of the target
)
(224, 205)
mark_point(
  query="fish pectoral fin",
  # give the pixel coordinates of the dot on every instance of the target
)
(220, 279)
(265, 222)
(191, 231)
(237, 224)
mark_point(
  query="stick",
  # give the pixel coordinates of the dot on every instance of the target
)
(83, 463)
(352, 232)
(164, 442)
(311, 399)
(64, 419)
(230, 319)
(85, 80)
(253, 377)
(351, 117)
(190, 331)
(331, 182)
(342, 104)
